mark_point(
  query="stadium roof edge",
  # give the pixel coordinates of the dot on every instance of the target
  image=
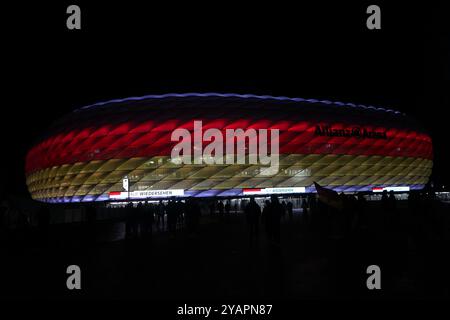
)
(234, 95)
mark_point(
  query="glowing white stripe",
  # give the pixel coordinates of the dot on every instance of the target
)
(275, 191)
(395, 189)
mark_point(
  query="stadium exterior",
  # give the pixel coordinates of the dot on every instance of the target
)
(95, 152)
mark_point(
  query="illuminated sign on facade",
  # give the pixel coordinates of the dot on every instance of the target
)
(146, 194)
(260, 191)
(395, 189)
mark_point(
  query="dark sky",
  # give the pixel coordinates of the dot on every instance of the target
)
(322, 51)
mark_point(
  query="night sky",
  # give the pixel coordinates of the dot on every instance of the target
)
(323, 52)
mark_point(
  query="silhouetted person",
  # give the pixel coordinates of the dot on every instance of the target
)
(147, 220)
(253, 212)
(351, 214)
(305, 213)
(220, 207)
(180, 210)
(275, 214)
(140, 216)
(192, 215)
(212, 208)
(132, 220)
(129, 220)
(290, 210)
(172, 216)
(284, 205)
(393, 214)
(266, 219)
(161, 210)
(392, 202)
(228, 208)
(385, 200)
(135, 216)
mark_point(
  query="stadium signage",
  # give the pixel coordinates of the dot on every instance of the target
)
(357, 132)
(146, 194)
(257, 191)
(395, 189)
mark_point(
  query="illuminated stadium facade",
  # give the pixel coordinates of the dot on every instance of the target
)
(89, 154)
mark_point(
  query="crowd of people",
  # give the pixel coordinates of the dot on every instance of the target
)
(271, 216)
(392, 232)
(142, 218)
(177, 215)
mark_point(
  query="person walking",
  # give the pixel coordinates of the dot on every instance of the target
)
(253, 213)
(275, 213)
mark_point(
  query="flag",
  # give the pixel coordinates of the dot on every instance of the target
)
(329, 197)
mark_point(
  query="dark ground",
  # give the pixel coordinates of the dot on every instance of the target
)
(219, 262)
